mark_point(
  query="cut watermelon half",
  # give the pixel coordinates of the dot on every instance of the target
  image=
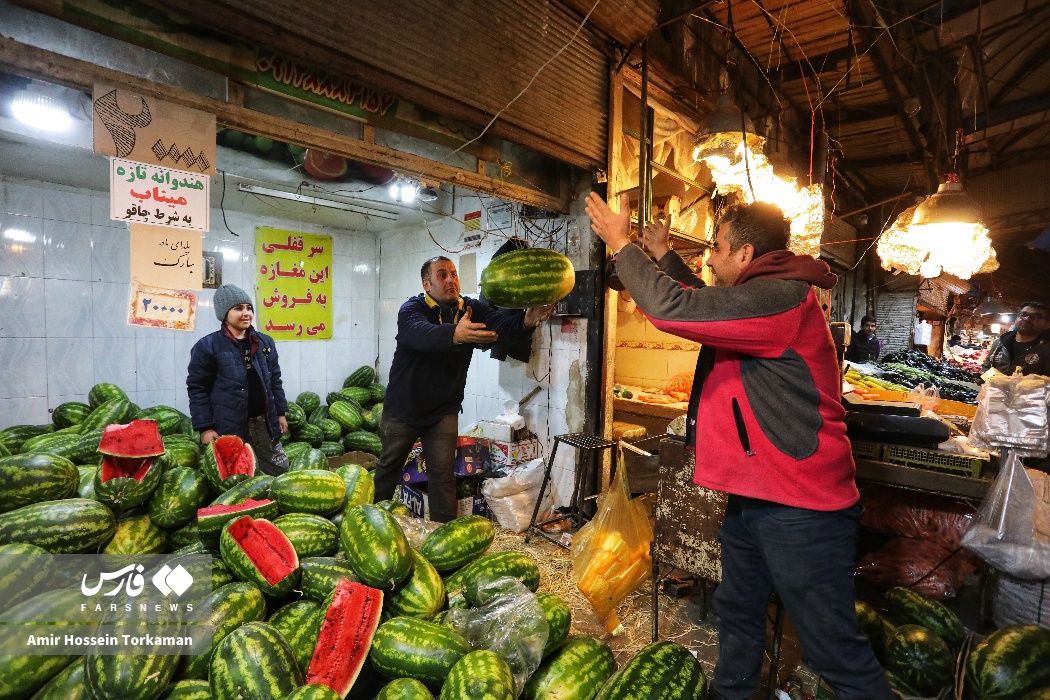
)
(346, 636)
(262, 554)
(227, 461)
(211, 519)
(324, 166)
(128, 450)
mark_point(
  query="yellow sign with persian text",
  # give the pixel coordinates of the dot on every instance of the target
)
(293, 284)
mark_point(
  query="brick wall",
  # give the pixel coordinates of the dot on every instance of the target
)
(895, 313)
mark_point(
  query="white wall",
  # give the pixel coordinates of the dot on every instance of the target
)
(64, 292)
(557, 364)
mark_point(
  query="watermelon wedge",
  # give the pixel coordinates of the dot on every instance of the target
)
(346, 636)
(130, 469)
(256, 551)
(227, 461)
(212, 519)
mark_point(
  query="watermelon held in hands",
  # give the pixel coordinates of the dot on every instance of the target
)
(529, 277)
(130, 469)
(227, 461)
(258, 552)
(346, 636)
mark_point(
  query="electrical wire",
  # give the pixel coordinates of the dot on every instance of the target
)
(222, 205)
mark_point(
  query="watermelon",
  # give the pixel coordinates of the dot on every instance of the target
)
(375, 546)
(360, 487)
(330, 428)
(70, 526)
(187, 690)
(404, 689)
(362, 376)
(530, 277)
(1010, 663)
(369, 421)
(212, 519)
(112, 411)
(169, 421)
(317, 415)
(67, 685)
(86, 451)
(86, 489)
(908, 606)
(229, 607)
(458, 542)
(189, 536)
(121, 676)
(559, 619)
(356, 396)
(363, 441)
(406, 647)
(22, 568)
(313, 691)
(321, 575)
(332, 449)
(30, 478)
(488, 567)
(576, 672)
(14, 437)
(295, 415)
(130, 471)
(308, 401)
(227, 461)
(61, 443)
(294, 449)
(311, 535)
(660, 671)
(394, 507)
(308, 491)
(256, 487)
(103, 392)
(920, 658)
(479, 674)
(377, 392)
(350, 622)
(253, 661)
(421, 595)
(70, 413)
(309, 458)
(299, 623)
(310, 433)
(257, 552)
(183, 451)
(137, 535)
(178, 496)
(874, 626)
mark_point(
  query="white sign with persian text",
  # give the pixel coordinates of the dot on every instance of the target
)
(149, 194)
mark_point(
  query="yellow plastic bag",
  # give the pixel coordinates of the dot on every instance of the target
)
(610, 554)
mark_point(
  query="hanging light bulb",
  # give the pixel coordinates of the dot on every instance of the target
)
(723, 131)
(40, 110)
(395, 189)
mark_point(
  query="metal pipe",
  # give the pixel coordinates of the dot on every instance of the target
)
(645, 144)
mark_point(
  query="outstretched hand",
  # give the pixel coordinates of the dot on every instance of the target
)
(535, 315)
(656, 237)
(612, 227)
(468, 332)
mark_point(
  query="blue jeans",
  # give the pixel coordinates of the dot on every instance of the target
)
(807, 556)
(439, 448)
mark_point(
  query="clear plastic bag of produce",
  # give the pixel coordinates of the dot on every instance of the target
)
(512, 498)
(416, 529)
(1012, 413)
(926, 396)
(1003, 533)
(507, 620)
(610, 554)
(928, 567)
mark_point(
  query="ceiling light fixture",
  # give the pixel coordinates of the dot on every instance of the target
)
(305, 199)
(37, 109)
(993, 306)
(427, 194)
(403, 190)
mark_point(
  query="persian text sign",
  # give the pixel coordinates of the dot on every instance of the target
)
(161, 257)
(162, 308)
(150, 194)
(294, 284)
(153, 131)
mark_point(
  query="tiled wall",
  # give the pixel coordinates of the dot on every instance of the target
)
(64, 288)
(557, 364)
(645, 355)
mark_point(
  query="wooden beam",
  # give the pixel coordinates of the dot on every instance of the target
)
(32, 62)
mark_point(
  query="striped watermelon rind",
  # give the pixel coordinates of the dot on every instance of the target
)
(375, 545)
(256, 488)
(237, 458)
(69, 526)
(14, 437)
(421, 595)
(360, 486)
(310, 458)
(295, 416)
(458, 542)
(137, 535)
(178, 496)
(299, 622)
(479, 674)
(62, 444)
(363, 441)
(313, 691)
(168, 420)
(314, 491)
(489, 567)
(311, 535)
(126, 492)
(1009, 663)
(347, 416)
(308, 401)
(187, 690)
(662, 670)
(575, 672)
(22, 568)
(70, 413)
(920, 658)
(908, 606)
(404, 689)
(530, 277)
(350, 620)
(280, 570)
(118, 676)
(362, 376)
(559, 619)
(406, 647)
(333, 432)
(228, 608)
(118, 410)
(67, 685)
(103, 392)
(31, 478)
(212, 519)
(253, 661)
(320, 576)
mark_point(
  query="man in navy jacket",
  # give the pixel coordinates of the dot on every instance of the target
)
(437, 332)
(234, 382)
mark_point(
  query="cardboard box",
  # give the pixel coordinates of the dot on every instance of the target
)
(501, 431)
(415, 497)
(472, 458)
(509, 453)
(366, 460)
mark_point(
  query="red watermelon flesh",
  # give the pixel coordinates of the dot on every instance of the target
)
(324, 166)
(233, 456)
(266, 547)
(346, 635)
(124, 467)
(212, 518)
(139, 438)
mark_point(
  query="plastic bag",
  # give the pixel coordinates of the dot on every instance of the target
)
(928, 567)
(899, 513)
(610, 554)
(1012, 413)
(416, 529)
(509, 621)
(512, 498)
(927, 397)
(1003, 533)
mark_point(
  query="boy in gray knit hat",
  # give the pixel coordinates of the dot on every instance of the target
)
(234, 382)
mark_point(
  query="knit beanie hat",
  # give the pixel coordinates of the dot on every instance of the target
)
(226, 297)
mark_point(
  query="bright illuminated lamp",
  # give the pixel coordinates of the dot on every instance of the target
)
(722, 130)
(40, 111)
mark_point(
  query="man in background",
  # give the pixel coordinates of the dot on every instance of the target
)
(864, 346)
(1027, 346)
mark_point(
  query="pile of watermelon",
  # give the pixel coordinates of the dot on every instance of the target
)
(920, 643)
(348, 420)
